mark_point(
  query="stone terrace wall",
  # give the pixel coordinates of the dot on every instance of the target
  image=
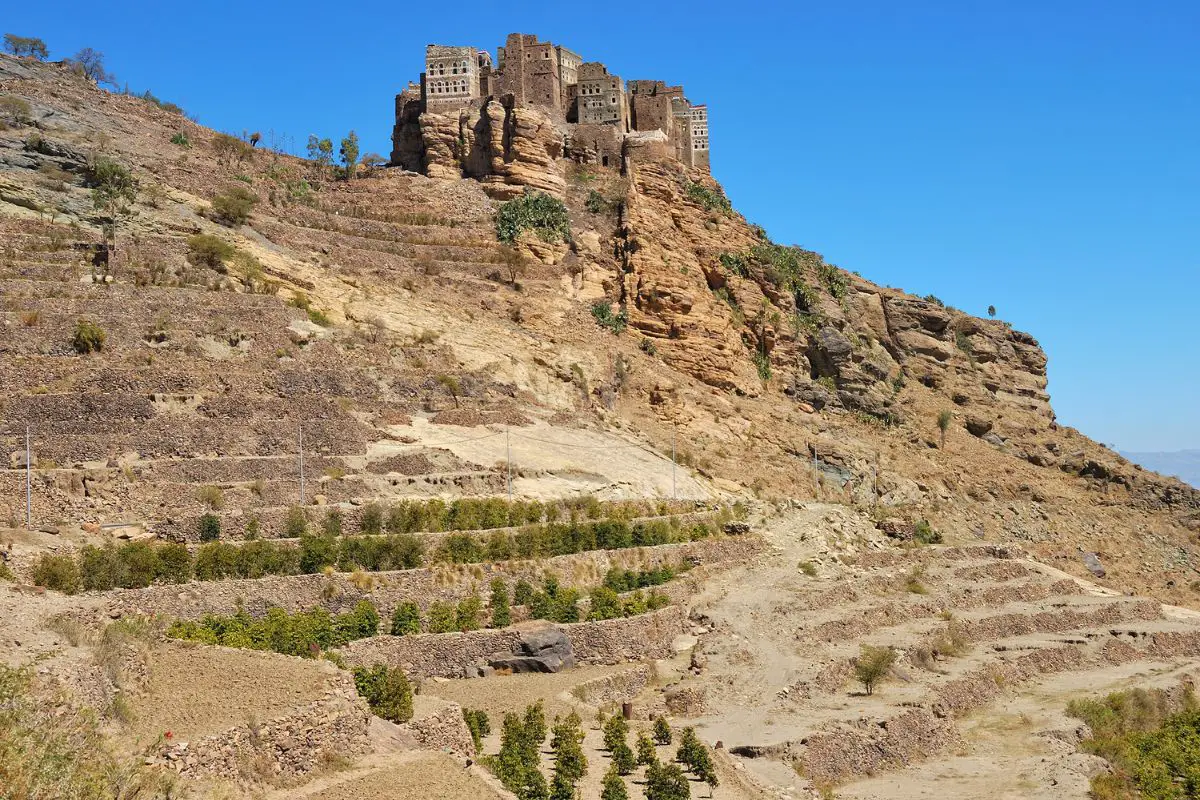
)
(423, 586)
(450, 655)
(287, 746)
(439, 726)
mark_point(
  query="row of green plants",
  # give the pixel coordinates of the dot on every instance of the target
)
(141, 564)
(301, 633)
(786, 268)
(308, 633)
(435, 515)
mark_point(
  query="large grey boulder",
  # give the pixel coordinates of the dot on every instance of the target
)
(547, 650)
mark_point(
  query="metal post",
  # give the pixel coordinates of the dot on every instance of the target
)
(28, 484)
(301, 463)
(508, 464)
(673, 497)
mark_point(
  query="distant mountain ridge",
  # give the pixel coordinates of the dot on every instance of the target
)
(1183, 464)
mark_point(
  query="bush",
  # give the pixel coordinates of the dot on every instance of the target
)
(234, 205)
(210, 527)
(646, 754)
(605, 317)
(545, 215)
(1151, 741)
(872, 665)
(206, 250)
(924, 533)
(304, 633)
(386, 690)
(295, 524)
(89, 337)
(182, 140)
(666, 782)
(708, 199)
(15, 110)
(406, 619)
(501, 611)
(57, 572)
(662, 731)
(442, 618)
(370, 522)
(478, 724)
(613, 788)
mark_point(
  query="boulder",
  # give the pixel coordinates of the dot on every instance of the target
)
(547, 650)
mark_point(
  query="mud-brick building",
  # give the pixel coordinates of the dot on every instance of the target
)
(593, 109)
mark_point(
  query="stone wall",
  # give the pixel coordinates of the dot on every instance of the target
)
(439, 725)
(450, 655)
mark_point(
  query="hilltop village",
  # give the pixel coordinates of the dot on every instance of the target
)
(594, 114)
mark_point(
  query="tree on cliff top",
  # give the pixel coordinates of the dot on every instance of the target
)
(349, 153)
(25, 46)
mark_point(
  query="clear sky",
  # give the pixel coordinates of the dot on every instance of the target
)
(1039, 155)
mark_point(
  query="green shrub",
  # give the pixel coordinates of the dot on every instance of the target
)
(646, 754)
(501, 611)
(539, 212)
(605, 317)
(359, 623)
(206, 250)
(923, 533)
(596, 203)
(295, 524)
(89, 337)
(406, 619)
(181, 139)
(332, 524)
(303, 633)
(872, 665)
(210, 527)
(708, 199)
(662, 731)
(442, 618)
(735, 263)
(234, 205)
(370, 522)
(478, 724)
(57, 572)
(317, 552)
(613, 787)
(467, 613)
(666, 782)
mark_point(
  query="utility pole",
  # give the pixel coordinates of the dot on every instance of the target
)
(301, 463)
(28, 484)
(673, 431)
(508, 464)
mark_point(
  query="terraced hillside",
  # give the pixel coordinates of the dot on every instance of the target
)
(283, 472)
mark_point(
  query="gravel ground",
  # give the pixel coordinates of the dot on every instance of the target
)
(424, 776)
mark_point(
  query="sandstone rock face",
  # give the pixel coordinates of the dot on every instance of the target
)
(853, 347)
(506, 148)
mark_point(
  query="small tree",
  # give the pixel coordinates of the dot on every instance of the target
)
(943, 422)
(666, 782)
(370, 522)
(501, 611)
(623, 758)
(349, 153)
(210, 527)
(646, 753)
(662, 731)
(114, 190)
(255, 138)
(613, 787)
(570, 764)
(25, 47)
(615, 730)
(320, 151)
(466, 615)
(442, 618)
(872, 665)
(387, 690)
(406, 619)
(535, 724)
(372, 162)
(992, 312)
(90, 64)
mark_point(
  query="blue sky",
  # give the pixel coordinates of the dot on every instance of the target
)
(1039, 155)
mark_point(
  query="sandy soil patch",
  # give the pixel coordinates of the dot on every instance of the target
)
(198, 691)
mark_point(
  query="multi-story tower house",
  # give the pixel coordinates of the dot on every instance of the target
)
(601, 97)
(700, 136)
(451, 77)
(536, 73)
